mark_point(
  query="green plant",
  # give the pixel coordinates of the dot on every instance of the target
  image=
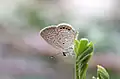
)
(83, 51)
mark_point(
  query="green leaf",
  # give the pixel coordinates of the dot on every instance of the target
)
(90, 44)
(86, 52)
(83, 71)
(102, 73)
(76, 44)
(82, 45)
(85, 59)
(83, 50)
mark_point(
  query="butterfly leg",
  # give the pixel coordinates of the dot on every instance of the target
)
(64, 54)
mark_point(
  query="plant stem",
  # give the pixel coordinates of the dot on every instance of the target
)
(77, 71)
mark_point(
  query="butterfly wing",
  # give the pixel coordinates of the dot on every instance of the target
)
(60, 37)
(65, 36)
(49, 35)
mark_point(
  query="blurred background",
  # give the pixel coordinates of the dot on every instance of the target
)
(25, 55)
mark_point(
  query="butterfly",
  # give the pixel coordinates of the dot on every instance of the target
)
(59, 36)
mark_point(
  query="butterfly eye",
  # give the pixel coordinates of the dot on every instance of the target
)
(63, 43)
